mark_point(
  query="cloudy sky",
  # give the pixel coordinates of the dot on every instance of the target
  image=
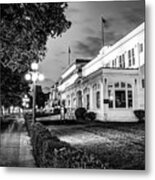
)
(84, 36)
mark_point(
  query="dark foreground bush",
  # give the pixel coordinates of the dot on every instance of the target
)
(140, 114)
(90, 116)
(6, 122)
(49, 151)
(80, 113)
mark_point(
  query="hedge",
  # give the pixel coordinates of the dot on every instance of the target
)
(140, 114)
(80, 113)
(50, 152)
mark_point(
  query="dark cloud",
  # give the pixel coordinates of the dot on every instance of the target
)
(88, 30)
(89, 48)
(111, 37)
(134, 16)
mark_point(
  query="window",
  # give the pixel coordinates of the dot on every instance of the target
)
(129, 57)
(141, 47)
(123, 61)
(120, 100)
(129, 86)
(129, 98)
(120, 95)
(117, 85)
(143, 83)
(110, 95)
(88, 103)
(120, 61)
(113, 63)
(133, 56)
(74, 102)
(108, 65)
(98, 99)
(122, 85)
(68, 102)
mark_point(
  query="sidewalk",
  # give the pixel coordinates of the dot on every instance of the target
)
(15, 146)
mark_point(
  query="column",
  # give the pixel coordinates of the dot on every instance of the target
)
(102, 96)
(105, 98)
(91, 97)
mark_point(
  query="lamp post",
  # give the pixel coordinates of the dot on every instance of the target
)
(34, 76)
(25, 101)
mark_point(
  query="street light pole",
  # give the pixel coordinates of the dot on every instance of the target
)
(35, 76)
(34, 102)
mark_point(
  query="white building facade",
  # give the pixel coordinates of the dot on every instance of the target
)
(112, 84)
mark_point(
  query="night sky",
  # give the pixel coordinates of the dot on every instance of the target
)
(84, 36)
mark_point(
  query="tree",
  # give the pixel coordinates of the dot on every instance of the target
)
(13, 87)
(41, 97)
(24, 30)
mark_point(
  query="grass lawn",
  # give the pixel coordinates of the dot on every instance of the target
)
(119, 145)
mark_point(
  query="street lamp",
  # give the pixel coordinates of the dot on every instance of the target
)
(35, 76)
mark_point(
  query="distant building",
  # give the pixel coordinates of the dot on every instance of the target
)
(112, 84)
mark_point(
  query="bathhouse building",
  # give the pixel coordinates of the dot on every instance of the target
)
(112, 84)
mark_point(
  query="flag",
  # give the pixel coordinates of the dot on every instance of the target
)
(69, 50)
(103, 20)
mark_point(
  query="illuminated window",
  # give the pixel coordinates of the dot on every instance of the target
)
(110, 95)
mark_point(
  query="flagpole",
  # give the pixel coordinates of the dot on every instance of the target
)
(69, 52)
(102, 31)
(103, 21)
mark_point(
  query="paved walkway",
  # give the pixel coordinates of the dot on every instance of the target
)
(15, 149)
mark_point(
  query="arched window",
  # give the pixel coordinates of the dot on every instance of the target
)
(96, 96)
(86, 92)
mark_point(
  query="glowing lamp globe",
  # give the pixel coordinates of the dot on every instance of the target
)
(111, 98)
(34, 77)
(28, 77)
(41, 77)
(34, 66)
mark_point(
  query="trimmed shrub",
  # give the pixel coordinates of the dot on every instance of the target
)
(49, 151)
(90, 116)
(140, 114)
(80, 113)
(56, 111)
